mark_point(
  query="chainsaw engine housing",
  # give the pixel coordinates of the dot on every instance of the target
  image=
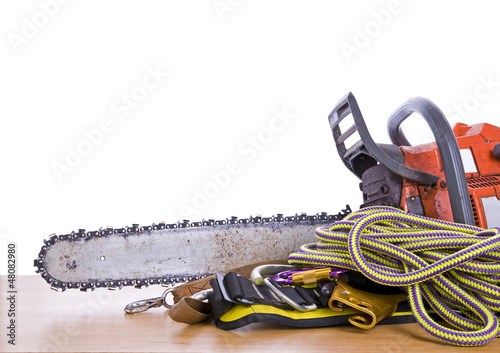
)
(482, 171)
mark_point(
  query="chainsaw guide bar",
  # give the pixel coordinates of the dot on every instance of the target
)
(172, 253)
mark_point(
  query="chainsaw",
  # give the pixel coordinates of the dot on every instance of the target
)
(456, 178)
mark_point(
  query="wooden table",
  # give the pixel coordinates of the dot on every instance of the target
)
(76, 321)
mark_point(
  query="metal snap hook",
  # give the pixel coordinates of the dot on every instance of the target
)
(143, 305)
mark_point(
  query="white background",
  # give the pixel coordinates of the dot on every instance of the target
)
(233, 66)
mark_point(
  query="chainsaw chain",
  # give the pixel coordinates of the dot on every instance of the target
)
(135, 229)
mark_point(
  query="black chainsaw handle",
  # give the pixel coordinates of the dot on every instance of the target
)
(365, 153)
(447, 147)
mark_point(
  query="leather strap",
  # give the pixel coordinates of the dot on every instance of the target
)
(190, 288)
(190, 311)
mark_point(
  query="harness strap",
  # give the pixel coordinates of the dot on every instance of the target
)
(191, 311)
(193, 287)
(233, 289)
(236, 302)
(240, 290)
(190, 288)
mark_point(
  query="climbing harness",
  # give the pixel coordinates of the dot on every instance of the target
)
(378, 265)
(237, 301)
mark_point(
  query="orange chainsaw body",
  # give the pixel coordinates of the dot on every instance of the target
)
(456, 178)
(482, 170)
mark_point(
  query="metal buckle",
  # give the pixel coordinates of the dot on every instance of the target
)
(276, 289)
(225, 294)
(373, 307)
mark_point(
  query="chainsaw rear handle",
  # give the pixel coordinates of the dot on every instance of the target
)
(447, 147)
(365, 153)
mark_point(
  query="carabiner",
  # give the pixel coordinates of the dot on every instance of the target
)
(288, 274)
(306, 276)
(259, 272)
(258, 278)
(140, 306)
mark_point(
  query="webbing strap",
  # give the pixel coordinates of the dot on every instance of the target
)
(240, 315)
(193, 287)
(191, 311)
(240, 290)
(188, 310)
(236, 289)
(228, 313)
(190, 288)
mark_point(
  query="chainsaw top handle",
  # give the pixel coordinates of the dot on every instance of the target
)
(447, 147)
(365, 153)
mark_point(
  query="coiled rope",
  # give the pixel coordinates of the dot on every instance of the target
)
(453, 269)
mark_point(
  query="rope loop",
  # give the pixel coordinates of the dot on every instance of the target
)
(448, 269)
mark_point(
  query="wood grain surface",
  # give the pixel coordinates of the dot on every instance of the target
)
(74, 321)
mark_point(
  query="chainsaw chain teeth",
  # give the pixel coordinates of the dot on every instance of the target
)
(136, 229)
